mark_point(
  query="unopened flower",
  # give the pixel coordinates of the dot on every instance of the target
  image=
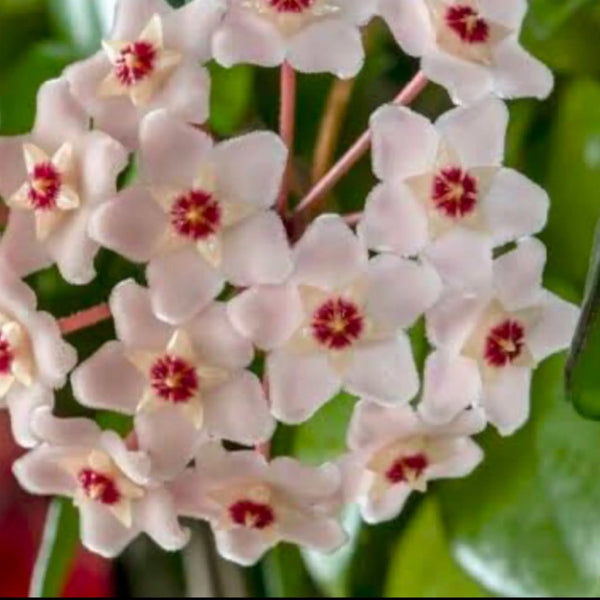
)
(253, 505)
(446, 194)
(393, 452)
(180, 383)
(471, 47)
(52, 179)
(492, 342)
(109, 483)
(338, 322)
(152, 60)
(314, 36)
(34, 359)
(200, 215)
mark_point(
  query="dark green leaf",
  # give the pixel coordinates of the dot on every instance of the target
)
(57, 549)
(548, 15)
(285, 575)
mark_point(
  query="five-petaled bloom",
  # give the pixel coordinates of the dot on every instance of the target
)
(52, 179)
(151, 61)
(34, 359)
(182, 383)
(314, 36)
(471, 47)
(446, 195)
(110, 484)
(252, 505)
(201, 214)
(488, 344)
(394, 452)
(337, 322)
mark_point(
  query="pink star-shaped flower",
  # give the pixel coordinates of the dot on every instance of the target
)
(252, 505)
(151, 61)
(489, 344)
(314, 36)
(393, 452)
(52, 179)
(337, 322)
(471, 47)
(200, 215)
(181, 383)
(445, 195)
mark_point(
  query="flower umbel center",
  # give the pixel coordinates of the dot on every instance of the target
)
(196, 215)
(44, 186)
(454, 192)
(7, 356)
(254, 515)
(467, 24)
(99, 486)
(504, 343)
(135, 63)
(407, 468)
(337, 323)
(173, 379)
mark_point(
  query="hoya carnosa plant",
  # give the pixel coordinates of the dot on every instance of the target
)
(251, 313)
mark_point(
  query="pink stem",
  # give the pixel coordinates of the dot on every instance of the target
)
(287, 121)
(85, 318)
(356, 152)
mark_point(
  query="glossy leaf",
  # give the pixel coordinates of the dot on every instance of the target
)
(421, 564)
(548, 15)
(57, 550)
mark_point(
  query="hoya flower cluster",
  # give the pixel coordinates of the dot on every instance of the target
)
(444, 236)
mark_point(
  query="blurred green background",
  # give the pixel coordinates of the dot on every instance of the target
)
(528, 521)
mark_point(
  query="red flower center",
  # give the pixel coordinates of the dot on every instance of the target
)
(291, 6)
(337, 323)
(406, 468)
(254, 515)
(196, 215)
(454, 192)
(465, 22)
(504, 343)
(44, 186)
(136, 62)
(173, 379)
(7, 356)
(99, 486)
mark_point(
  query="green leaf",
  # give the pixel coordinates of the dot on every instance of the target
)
(546, 16)
(509, 523)
(582, 373)
(82, 24)
(285, 575)
(57, 549)
(323, 437)
(421, 564)
(231, 97)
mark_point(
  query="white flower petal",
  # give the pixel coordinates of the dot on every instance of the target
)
(514, 207)
(400, 291)
(136, 325)
(462, 456)
(410, 23)
(299, 384)
(256, 251)
(313, 531)
(22, 402)
(385, 507)
(506, 399)
(39, 472)
(384, 372)
(238, 411)
(12, 164)
(267, 315)
(451, 383)
(181, 283)
(394, 221)
(249, 168)
(108, 381)
(476, 133)
(331, 46)
(306, 484)
(394, 158)
(242, 545)
(131, 16)
(329, 255)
